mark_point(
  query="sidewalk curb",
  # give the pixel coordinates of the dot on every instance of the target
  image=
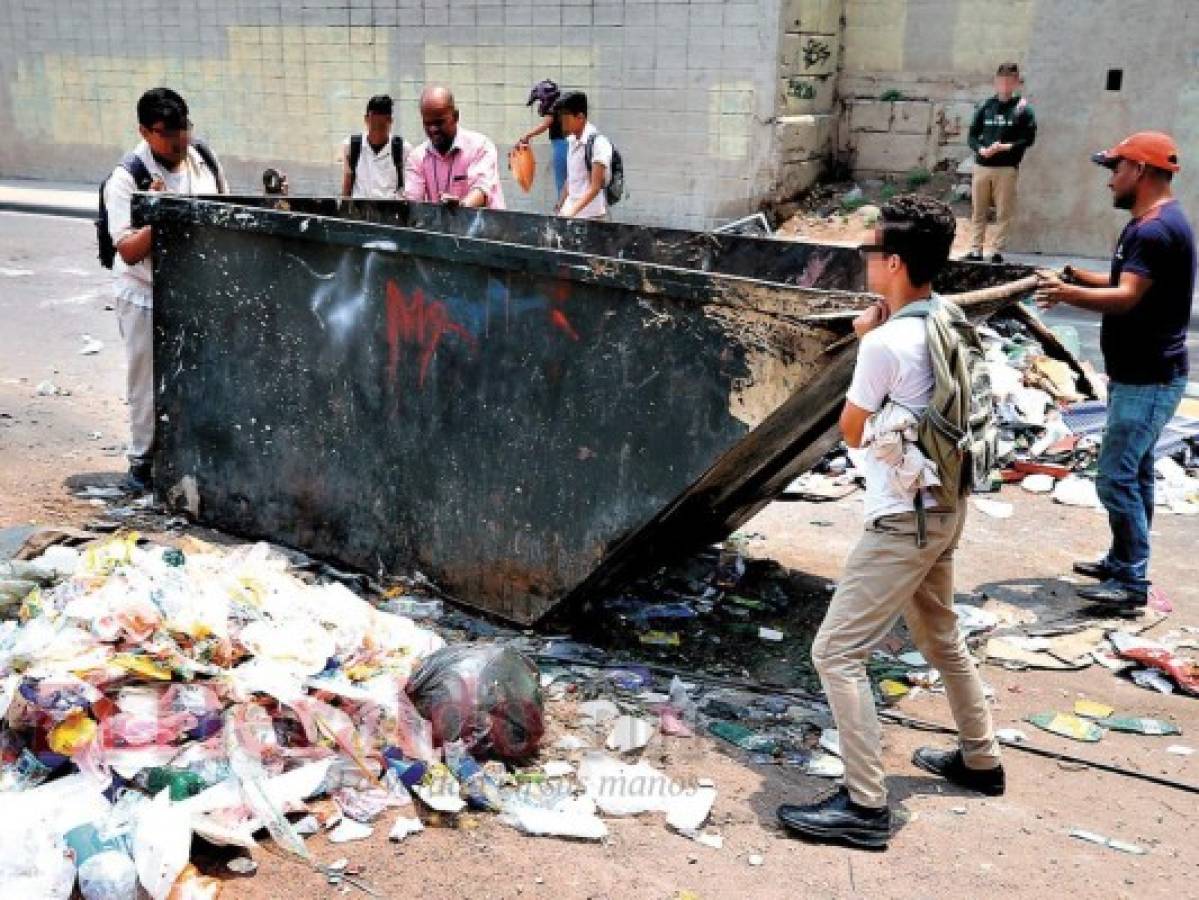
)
(48, 209)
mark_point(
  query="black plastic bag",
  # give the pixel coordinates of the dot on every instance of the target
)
(487, 696)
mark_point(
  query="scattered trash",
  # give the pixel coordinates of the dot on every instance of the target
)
(755, 859)
(769, 634)
(1067, 725)
(1134, 725)
(1038, 484)
(743, 737)
(1093, 838)
(488, 696)
(996, 509)
(825, 765)
(629, 733)
(1011, 735)
(1180, 750)
(1075, 491)
(404, 827)
(830, 740)
(242, 865)
(1089, 709)
(1154, 680)
(349, 830)
(90, 346)
(1156, 656)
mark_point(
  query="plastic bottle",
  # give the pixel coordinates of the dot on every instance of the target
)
(105, 868)
(109, 875)
(481, 791)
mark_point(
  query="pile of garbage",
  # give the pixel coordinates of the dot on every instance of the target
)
(151, 693)
(154, 694)
(1051, 410)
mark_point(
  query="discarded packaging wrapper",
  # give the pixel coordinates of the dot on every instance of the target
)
(1183, 672)
(1067, 725)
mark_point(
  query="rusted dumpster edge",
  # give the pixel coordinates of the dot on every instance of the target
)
(736, 291)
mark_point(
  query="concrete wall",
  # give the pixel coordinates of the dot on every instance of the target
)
(687, 90)
(941, 54)
(809, 56)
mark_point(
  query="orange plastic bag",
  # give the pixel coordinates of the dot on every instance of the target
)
(523, 166)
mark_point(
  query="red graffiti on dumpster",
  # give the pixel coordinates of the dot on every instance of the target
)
(418, 322)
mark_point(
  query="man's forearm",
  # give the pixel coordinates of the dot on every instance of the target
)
(136, 246)
(1087, 278)
(581, 204)
(1117, 299)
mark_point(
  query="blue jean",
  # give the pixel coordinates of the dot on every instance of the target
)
(560, 150)
(1136, 415)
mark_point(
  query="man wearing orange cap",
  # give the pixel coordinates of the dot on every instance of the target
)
(1146, 305)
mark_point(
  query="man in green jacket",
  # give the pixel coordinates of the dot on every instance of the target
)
(1004, 127)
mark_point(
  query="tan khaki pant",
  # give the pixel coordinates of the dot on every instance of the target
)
(992, 185)
(886, 576)
(137, 331)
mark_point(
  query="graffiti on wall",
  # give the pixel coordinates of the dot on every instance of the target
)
(816, 52)
(801, 88)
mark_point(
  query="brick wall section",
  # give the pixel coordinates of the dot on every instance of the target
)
(686, 90)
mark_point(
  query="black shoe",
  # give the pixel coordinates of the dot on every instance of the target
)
(1115, 593)
(950, 766)
(997, 258)
(974, 256)
(1097, 570)
(139, 479)
(838, 818)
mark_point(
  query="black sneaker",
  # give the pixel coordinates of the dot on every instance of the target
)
(1097, 570)
(1115, 593)
(974, 256)
(838, 818)
(950, 766)
(997, 258)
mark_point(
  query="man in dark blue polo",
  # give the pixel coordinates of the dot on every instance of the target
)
(1146, 305)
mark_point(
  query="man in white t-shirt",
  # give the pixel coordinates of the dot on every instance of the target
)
(372, 163)
(890, 573)
(165, 160)
(583, 194)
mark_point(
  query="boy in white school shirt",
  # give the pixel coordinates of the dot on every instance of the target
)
(166, 160)
(372, 163)
(583, 196)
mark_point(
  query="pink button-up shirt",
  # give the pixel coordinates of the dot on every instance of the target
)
(471, 163)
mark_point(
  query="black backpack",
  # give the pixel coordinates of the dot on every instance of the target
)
(133, 164)
(397, 157)
(614, 189)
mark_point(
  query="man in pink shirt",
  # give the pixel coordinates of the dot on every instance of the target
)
(454, 166)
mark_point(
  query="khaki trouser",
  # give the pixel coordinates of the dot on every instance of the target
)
(888, 575)
(992, 185)
(136, 324)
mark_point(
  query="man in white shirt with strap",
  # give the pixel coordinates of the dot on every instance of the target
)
(372, 163)
(583, 195)
(173, 165)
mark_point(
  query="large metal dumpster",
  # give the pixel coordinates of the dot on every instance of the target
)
(527, 409)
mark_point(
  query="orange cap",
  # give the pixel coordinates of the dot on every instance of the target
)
(1154, 148)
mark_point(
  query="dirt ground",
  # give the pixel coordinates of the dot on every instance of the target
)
(949, 843)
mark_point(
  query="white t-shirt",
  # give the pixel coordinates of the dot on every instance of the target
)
(578, 176)
(893, 364)
(136, 283)
(376, 178)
